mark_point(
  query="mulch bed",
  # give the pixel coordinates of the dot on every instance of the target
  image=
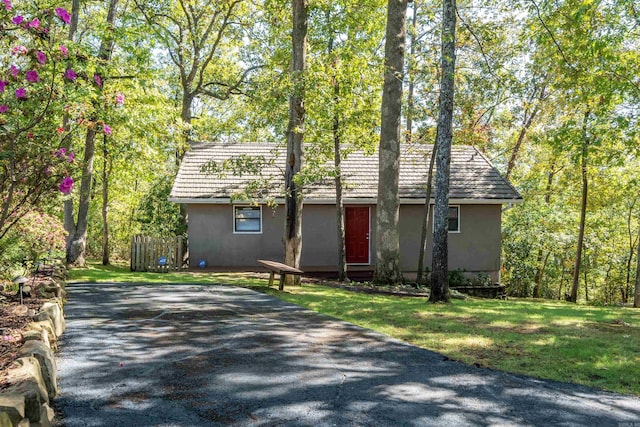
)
(14, 319)
(400, 290)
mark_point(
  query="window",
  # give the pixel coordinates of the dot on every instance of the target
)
(454, 218)
(247, 219)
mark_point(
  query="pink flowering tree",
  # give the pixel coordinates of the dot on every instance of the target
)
(41, 80)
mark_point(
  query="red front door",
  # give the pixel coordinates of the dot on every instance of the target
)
(356, 226)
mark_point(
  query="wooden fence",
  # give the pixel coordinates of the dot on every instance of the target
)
(156, 254)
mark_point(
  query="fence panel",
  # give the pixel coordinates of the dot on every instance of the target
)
(156, 254)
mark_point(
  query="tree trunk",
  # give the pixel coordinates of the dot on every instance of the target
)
(77, 246)
(427, 217)
(540, 269)
(631, 244)
(537, 288)
(342, 252)
(412, 80)
(337, 157)
(105, 203)
(185, 116)
(75, 14)
(636, 297)
(295, 136)
(526, 124)
(586, 285)
(388, 210)
(440, 266)
(583, 211)
(69, 223)
(561, 287)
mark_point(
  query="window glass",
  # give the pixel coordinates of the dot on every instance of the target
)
(247, 219)
(454, 218)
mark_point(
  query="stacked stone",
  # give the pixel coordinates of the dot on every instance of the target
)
(32, 380)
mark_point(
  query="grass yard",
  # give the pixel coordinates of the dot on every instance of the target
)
(595, 346)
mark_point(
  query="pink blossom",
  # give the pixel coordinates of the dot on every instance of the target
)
(71, 157)
(3, 84)
(17, 20)
(119, 98)
(19, 50)
(7, 4)
(106, 129)
(15, 71)
(64, 15)
(21, 93)
(70, 74)
(97, 80)
(65, 52)
(66, 185)
(32, 76)
(34, 23)
(4, 108)
(60, 152)
(42, 57)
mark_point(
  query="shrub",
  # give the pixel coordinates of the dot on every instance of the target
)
(35, 236)
(457, 278)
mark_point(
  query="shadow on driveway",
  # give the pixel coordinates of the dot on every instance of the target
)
(207, 355)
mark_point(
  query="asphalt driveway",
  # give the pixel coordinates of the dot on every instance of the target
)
(142, 355)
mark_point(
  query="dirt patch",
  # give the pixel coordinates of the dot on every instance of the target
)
(399, 290)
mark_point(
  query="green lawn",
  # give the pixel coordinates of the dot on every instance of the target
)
(596, 346)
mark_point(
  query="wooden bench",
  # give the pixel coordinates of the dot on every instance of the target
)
(281, 269)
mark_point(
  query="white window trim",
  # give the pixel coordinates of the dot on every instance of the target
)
(233, 219)
(433, 220)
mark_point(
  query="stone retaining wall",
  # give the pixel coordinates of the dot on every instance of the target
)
(32, 378)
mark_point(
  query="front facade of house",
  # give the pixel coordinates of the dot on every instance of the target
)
(228, 232)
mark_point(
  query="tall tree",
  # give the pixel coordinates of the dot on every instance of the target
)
(77, 244)
(337, 158)
(531, 109)
(200, 42)
(388, 208)
(636, 298)
(106, 172)
(69, 222)
(440, 265)
(584, 158)
(295, 136)
(411, 72)
(425, 220)
(342, 95)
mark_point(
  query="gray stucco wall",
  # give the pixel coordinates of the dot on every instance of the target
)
(475, 249)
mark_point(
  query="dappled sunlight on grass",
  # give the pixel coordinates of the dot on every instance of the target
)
(546, 341)
(468, 342)
(554, 340)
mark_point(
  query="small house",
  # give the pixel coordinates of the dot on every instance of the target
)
(233, 193)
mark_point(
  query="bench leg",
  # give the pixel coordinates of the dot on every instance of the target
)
(281, 286)
(271, 279)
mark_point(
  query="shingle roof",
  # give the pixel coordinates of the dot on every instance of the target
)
(473, 177)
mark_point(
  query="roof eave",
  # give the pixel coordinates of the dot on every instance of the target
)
(331, 201)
